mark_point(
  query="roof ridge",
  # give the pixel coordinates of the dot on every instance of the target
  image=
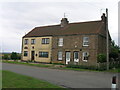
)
(85, 22)
(56, 29)
(47, 26)
(68, 24)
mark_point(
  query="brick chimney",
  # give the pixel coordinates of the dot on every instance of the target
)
(104, 18)
(64, 22)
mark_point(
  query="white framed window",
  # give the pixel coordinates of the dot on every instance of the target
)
(85, 41)
(45, 40)
(60, 42)
(59, 55)
(26, 41)
(85, 56)
(32, 41)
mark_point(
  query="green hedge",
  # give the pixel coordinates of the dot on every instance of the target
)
(100, 68)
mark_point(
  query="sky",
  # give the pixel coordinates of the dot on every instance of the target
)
(17, 18)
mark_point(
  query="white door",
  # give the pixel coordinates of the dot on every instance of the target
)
(76, 56)
(67, 57)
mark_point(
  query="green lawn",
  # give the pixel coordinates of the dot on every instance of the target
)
(14, 80)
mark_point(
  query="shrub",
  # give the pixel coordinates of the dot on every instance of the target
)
(6, 57)
(91, 67)
(82, 67)
(101, 58)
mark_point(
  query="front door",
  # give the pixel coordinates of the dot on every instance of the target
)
(32, 55)
(76, 56)
(67, 57)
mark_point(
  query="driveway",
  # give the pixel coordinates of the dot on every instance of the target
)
(65, 78)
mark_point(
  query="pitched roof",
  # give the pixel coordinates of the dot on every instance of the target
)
(91, 27)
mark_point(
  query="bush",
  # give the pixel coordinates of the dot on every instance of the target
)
(82, 67)
(6, 57)
(14, 56)
(101, 58)
(100, 68)
(113, 55)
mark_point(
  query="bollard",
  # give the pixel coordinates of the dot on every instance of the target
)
(114, 86)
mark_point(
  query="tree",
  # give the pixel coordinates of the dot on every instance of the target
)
(115, 50)
(14, 56)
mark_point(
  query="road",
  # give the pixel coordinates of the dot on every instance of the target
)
(65, 78)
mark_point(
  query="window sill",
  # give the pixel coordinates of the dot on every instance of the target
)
(44, 43)
(85, 45)
(60, 46)
(43, 57)
(60, 60)
(85, 60)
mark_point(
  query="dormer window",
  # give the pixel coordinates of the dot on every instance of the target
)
(85, 41)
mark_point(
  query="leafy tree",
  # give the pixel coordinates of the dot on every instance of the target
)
(115, 50)
(14, 56)
(101, 58)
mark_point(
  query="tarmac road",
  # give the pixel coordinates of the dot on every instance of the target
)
(65, 78)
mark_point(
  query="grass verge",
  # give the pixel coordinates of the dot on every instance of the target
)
(30, 64)
(64, 68)
(14, 80)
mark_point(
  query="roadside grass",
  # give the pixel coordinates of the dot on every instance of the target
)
(25, 63)
(14, 80)
(63, 68)
(117, 70)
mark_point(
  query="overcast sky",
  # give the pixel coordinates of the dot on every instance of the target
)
(18, 18)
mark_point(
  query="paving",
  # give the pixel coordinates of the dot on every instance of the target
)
(65, 78)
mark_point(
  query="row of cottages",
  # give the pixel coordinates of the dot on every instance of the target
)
(66, 43)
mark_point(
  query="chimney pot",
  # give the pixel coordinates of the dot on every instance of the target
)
(103, 17)
(64, 22)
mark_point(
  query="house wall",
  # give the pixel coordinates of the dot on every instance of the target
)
(38, 46)
(75, 43)
(101, 44)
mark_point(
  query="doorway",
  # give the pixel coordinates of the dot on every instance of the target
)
(32, 55)
(76, 56)
(67, 57)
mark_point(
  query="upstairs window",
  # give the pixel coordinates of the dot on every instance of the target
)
(32, 41)
(45, 40)
(85, 56)
(43, 54)
(85, 41)
(60, 42)
(59, 55)
(26, 41)
(25, 53)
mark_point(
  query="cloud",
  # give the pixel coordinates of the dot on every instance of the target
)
(18, 18)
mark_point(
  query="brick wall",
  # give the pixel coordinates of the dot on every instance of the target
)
(75, 43)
